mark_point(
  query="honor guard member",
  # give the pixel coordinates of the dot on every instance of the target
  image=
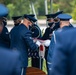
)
(17, 20)
(21, 40)
(8, 58)
(64, 56)
(53, 24)
(36, 34)
(49, 30)
(64, 25)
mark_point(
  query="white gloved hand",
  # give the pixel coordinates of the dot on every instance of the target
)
(47, 43)
(35, 40)
(38, 43)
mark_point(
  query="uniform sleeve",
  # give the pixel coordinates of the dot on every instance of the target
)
(60, 58)
(29, 41)
(5, 35)
(50, 53)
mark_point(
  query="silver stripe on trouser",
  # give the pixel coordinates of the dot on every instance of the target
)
(54, 37)
(22, 71)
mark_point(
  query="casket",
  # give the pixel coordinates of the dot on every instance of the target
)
(34, 71)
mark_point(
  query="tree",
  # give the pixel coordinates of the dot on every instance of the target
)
(74, 9)
(20, 7)
(11, 8)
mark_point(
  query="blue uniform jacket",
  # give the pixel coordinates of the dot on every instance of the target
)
(21, 40)
(52, 45)
(64, 56)
(9, 62)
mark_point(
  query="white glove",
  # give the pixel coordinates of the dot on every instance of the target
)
(38, 43)
(47, 43)
(35, 40)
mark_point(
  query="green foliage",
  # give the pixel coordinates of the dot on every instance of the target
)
(55, 7)
(41, 8)
(11, 8)
(20, 7)
(74, 14)
(73, 4)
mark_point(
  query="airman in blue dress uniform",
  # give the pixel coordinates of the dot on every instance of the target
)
(48, 31)
(53, 23)
(17, 20)
(64, 56)
(64, 25)
(7, 57)
(21, 40)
